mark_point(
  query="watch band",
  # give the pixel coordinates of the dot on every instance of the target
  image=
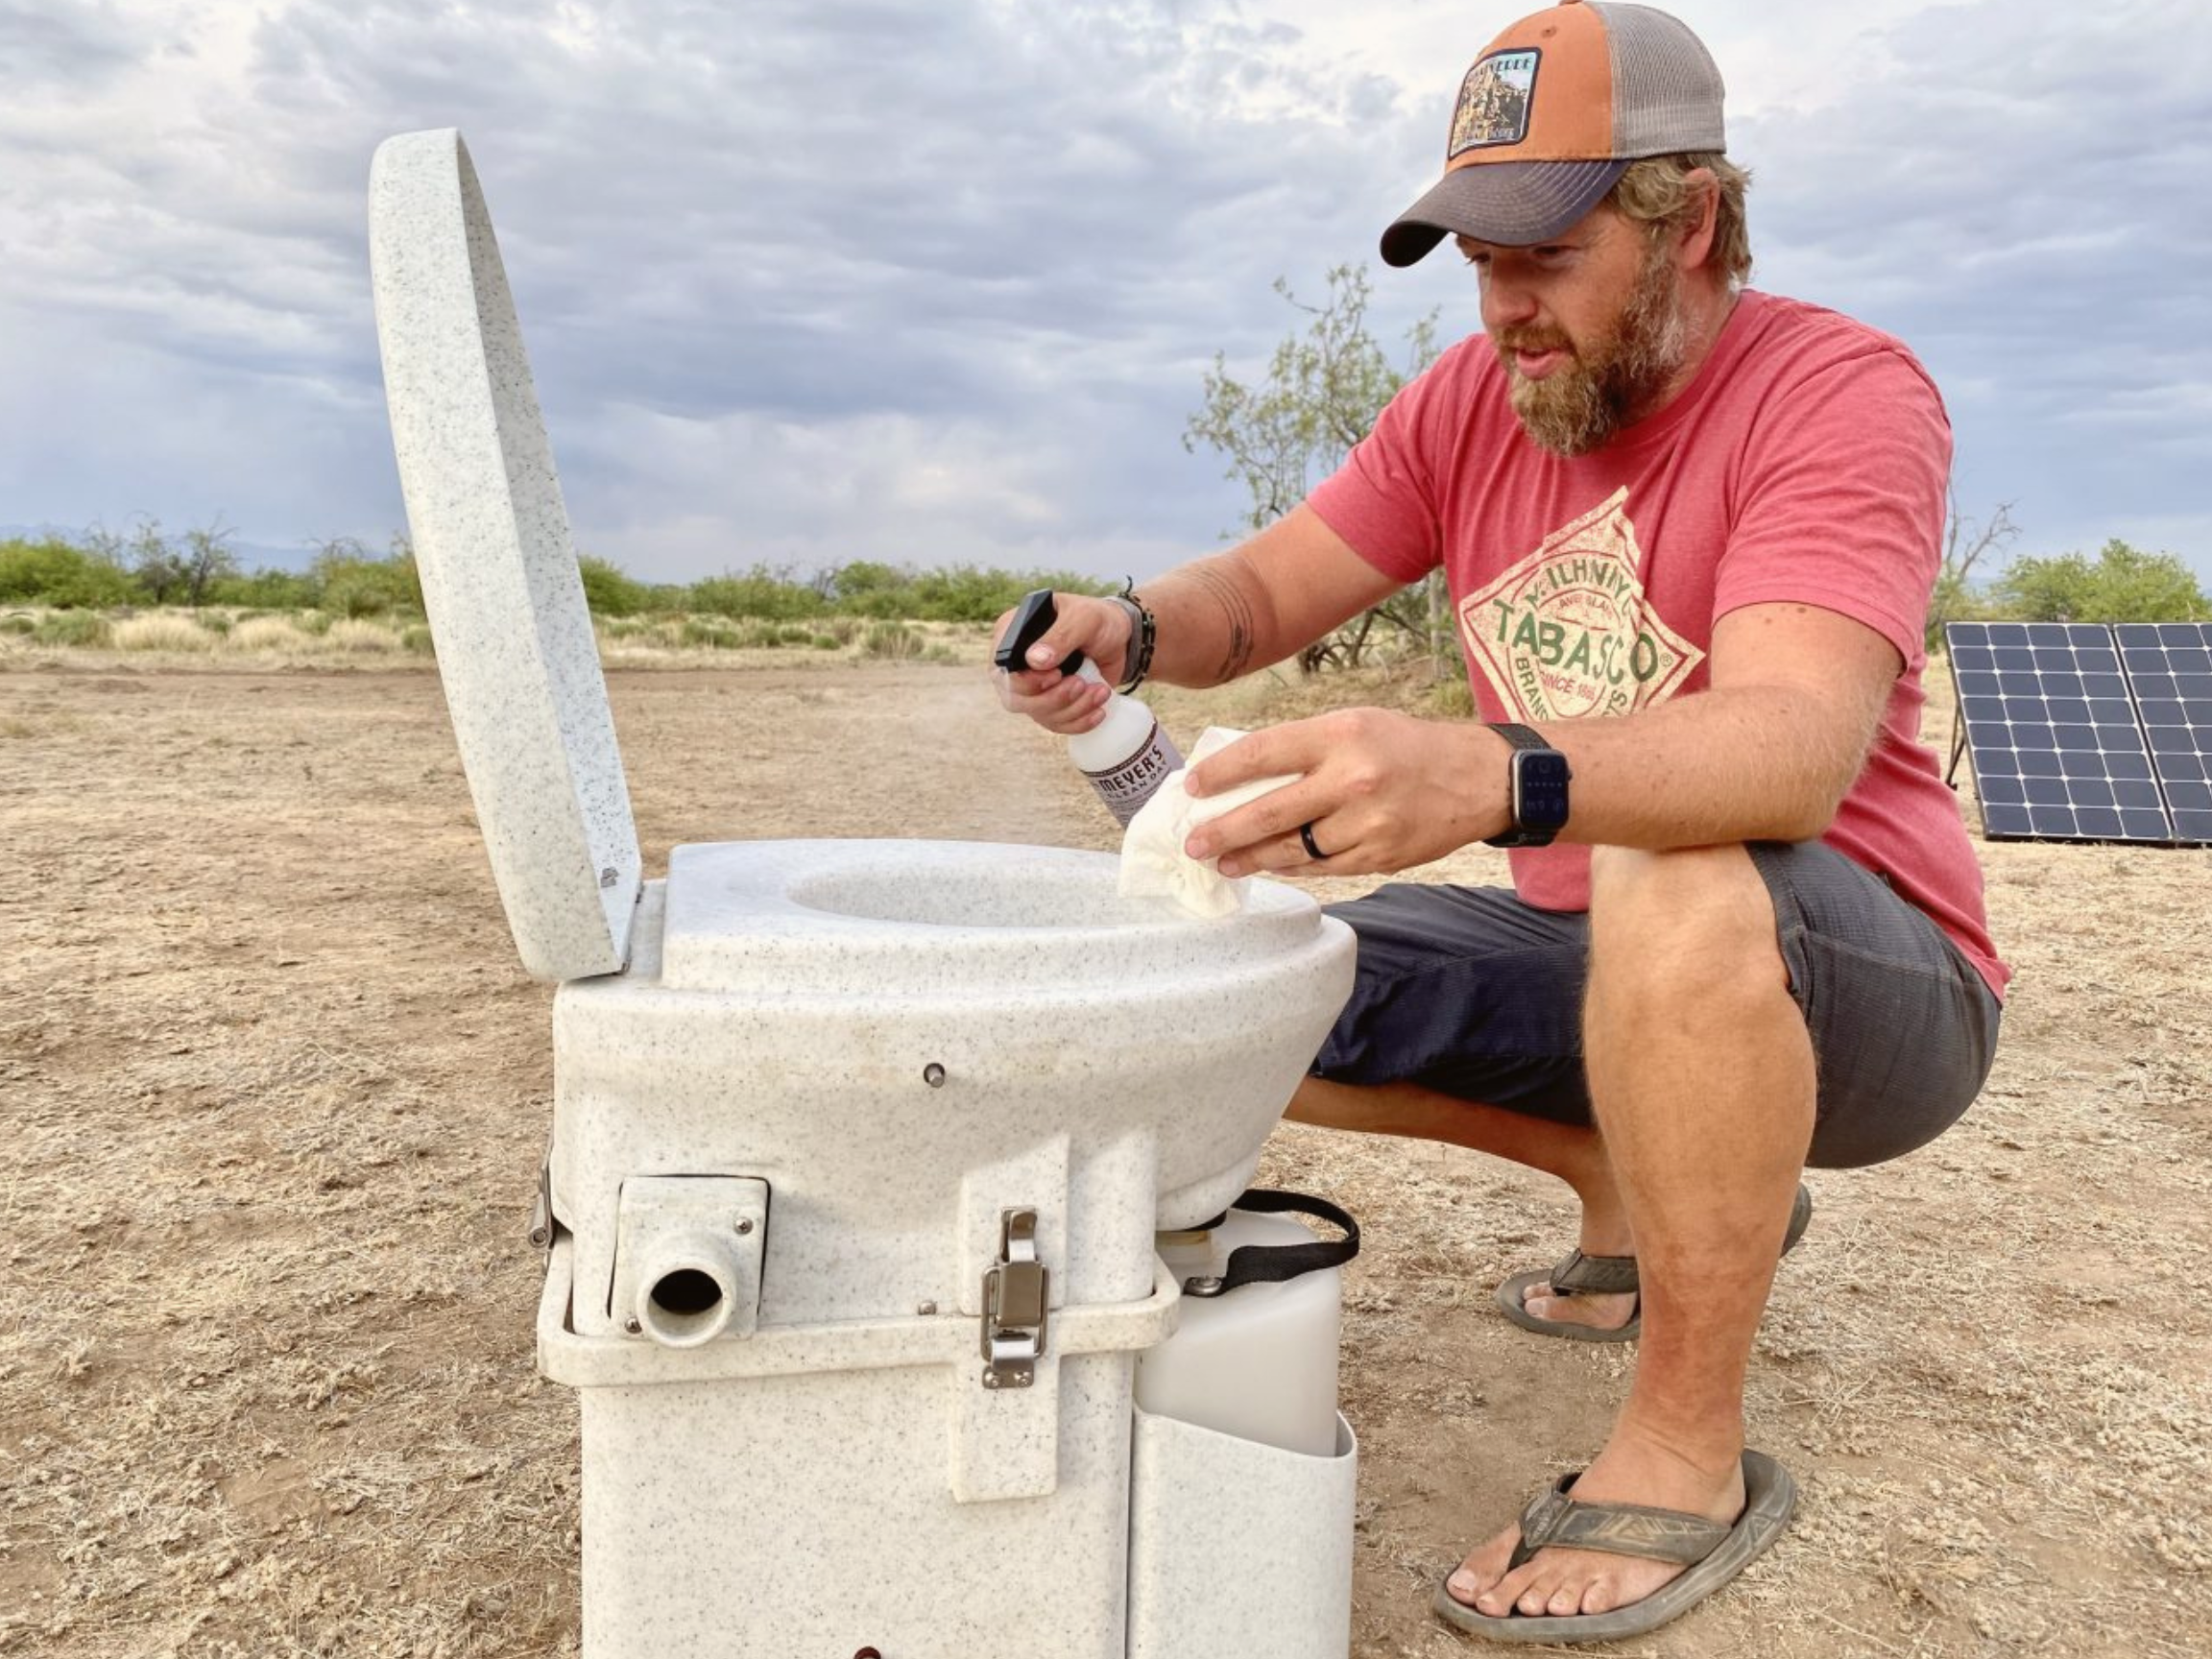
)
(1520, 736)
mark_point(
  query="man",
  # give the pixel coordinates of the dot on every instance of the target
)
(1690, 531)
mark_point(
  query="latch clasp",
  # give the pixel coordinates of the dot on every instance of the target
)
(1015, 1292)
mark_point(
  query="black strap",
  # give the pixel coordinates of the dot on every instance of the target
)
(1273, 1264)
(1520, 736)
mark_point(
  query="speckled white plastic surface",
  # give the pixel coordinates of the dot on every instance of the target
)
(499, 574)
(877, 1048)
(1238, 1548)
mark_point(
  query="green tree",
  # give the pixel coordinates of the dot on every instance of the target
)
(54, 572)
(1966, 542)
(774, 596)
(204, 560)
(1324, 386)
(156, 565)
(353, 581)
(610, 592)
(2122, 584)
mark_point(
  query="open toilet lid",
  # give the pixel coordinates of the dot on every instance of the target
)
(499, 574)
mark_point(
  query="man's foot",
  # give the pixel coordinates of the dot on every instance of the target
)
(1593, 1312)
(1559, 1582)
(1594, 1296)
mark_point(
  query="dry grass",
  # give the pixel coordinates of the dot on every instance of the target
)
(275, 1093)
(356, 637)
(163, 631)
(87, 641)
(276, 636)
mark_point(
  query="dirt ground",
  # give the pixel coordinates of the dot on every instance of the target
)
(274, 1092)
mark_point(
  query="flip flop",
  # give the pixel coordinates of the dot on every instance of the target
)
(1580, 1275)
(1715, 1553)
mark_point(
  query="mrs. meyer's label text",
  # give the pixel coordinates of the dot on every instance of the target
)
(1129, 785)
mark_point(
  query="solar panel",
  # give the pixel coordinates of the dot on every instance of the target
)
(2060, 754)
(2169, 666)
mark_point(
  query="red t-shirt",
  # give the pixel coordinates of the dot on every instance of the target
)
(1806, 464)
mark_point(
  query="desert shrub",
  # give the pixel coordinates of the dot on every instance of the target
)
(776, 595)
(18, 624)
(163, 631)
(267, 633)
(892, 640)
(2122, 584)
(354, 583)
(313, 623)
(415, 639)
(828, 642)
(609, 590)
(1453, 698)
(707, 632)
(55, 573)
(356, 637)
(266, 591)
(73, 628)
(217, 622)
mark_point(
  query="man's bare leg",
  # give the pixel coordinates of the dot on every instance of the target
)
(1702, 1073)
(1576, 1155)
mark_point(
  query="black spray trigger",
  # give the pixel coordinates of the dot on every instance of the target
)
(1033, 619)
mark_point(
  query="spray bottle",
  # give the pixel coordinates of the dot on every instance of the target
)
(1127, 756)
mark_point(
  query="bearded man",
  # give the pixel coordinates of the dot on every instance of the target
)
(1691, 532)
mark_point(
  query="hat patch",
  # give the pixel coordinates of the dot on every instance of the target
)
(1493, 102)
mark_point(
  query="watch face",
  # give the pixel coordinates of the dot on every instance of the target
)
(1540, 790)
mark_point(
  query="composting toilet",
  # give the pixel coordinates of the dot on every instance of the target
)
(859, 1147)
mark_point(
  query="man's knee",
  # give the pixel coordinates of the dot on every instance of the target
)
(1693, 920)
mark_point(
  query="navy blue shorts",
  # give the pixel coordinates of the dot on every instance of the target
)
(1469, 992)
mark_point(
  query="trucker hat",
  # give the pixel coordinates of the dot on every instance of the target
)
(1549, 117)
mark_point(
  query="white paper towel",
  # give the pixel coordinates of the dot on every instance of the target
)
(1153, 862)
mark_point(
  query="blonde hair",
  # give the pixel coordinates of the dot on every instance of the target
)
(1656, 193)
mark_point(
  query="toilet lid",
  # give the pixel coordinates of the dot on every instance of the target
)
(499, 575)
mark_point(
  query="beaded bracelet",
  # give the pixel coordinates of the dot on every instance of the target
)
(1143, 630)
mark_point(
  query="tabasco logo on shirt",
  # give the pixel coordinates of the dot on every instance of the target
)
(1568, 631)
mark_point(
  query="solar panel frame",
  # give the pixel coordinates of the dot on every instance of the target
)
(2169, 669)
(2056, 738)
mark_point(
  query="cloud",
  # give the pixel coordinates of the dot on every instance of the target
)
(884, 280)
(1981, 186)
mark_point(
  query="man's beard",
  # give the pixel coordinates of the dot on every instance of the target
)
(1614, 379)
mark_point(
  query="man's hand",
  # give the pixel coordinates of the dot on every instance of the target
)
(1061, 702)
(1381, 792)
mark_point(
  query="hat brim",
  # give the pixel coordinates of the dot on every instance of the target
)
(1512, 204)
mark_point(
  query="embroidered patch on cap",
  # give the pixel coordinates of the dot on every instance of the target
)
(1493, 102)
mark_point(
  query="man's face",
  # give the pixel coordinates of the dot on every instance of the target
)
(1590, 328)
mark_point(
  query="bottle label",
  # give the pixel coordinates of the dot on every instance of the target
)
(1126, 787)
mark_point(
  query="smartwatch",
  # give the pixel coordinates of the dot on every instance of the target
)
(1538, 775)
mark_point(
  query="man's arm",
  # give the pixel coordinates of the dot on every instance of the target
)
(1767, 753)
(1219, 617)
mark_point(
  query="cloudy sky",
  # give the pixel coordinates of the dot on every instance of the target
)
(936, 282)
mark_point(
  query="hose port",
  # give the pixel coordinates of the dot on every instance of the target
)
(687, 1257)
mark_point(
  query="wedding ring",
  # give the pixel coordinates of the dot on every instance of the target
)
(1305, 835)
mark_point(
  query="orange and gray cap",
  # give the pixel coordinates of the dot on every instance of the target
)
(1549, 117)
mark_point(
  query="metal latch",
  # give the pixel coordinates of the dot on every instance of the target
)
(542, 1206)
(1014, 1296)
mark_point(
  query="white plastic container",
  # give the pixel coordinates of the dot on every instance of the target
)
(1258, 1362)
